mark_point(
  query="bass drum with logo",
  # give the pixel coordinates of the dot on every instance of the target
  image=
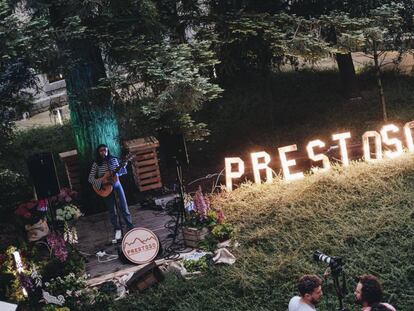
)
(139, 246)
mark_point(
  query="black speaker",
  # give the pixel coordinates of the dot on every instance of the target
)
(43, 172)
(173, 148)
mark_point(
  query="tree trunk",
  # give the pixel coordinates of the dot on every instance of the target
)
(92, 113)
(383, 107)
(91, 109)
(348, 76)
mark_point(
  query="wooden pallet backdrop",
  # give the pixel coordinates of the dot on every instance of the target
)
(145, 163)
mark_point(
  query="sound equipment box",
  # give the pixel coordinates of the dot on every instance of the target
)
(43, 172)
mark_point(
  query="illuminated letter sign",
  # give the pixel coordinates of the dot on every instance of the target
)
(391, 141)
(408, 135)
(342, 145)
(230, 174)
(319, 157)
(378, 145)
(287, 163)
(234, 166)
(261, 166)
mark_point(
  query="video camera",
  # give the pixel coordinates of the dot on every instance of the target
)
(335, 263)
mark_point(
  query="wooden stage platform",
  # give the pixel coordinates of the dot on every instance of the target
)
(95, 234)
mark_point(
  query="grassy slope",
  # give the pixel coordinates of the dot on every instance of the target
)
(363, 213)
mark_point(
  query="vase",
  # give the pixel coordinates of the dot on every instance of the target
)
(192, 236)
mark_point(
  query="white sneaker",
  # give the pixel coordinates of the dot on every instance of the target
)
(118, 235)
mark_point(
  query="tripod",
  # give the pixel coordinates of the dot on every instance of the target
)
(341, 290)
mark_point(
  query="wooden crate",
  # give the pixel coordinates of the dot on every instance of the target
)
(149, 275)
(145, 163)
(71, 161)
(193, 236)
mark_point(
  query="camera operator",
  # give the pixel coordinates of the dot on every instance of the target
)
(368, 293)
(310, 289)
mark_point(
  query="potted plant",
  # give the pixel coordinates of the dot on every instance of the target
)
(201, 218)
(67, 213)
(195, 226)
(222, 232)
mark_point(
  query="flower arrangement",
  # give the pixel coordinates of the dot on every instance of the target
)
(204, 225)
(59, 272)
(64, 203)
(31, 212)
(74, 290)
(68, 212)
(65, 195)
(201, 214)
(57, 246)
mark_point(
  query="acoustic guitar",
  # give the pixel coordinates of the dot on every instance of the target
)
(110, 178)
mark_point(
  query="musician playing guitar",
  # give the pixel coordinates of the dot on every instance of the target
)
(104, 179)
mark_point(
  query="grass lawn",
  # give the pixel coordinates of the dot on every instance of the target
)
(363, 213)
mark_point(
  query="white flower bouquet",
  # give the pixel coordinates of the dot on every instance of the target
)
(68, 212)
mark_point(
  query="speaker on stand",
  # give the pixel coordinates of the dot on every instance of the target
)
(43, 172)
(173, 149)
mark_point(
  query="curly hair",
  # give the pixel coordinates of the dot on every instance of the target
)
(371, 289)
(308, 283)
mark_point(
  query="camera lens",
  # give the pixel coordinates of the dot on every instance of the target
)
(319, 256)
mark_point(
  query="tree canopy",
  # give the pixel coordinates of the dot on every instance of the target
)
(162, 57)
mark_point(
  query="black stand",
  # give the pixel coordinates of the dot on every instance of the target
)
(52, 214)
(341, 290)
(117, 211)
(180, 205)
(179, 213)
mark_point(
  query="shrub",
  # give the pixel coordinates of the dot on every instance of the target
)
(53, 139)
(13, 188)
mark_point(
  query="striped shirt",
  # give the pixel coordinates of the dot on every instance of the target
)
(98, 171)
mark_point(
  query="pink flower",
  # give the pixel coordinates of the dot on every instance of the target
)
(58, 246)
(42, 206)
(201, 204)
(220, 216)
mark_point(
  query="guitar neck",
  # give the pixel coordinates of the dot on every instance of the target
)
(121, 165)
(118, 168)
